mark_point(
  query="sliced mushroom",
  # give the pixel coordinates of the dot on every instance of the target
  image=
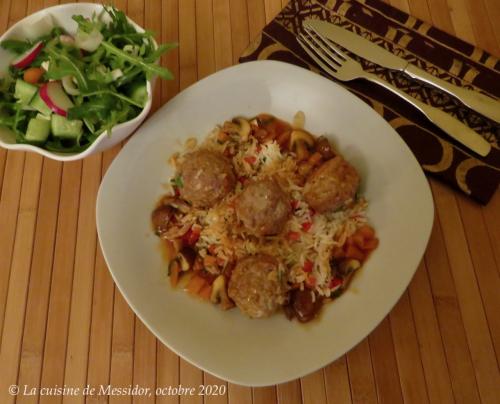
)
(173, 265)
(348, 266)
(219, 293)
(186, 258)
(171, 248)
(161, 219)
(176, 203)
(301, 136)
(301, 151)
(238, 126)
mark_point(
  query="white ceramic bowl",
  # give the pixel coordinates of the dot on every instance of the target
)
(227, 344)
(38, 24)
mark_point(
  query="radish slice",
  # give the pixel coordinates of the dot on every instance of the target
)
(70, 86)
(56, 99)
(89, 42)
(28, 57)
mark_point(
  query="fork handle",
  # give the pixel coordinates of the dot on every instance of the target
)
(481, 103)
(453, 127)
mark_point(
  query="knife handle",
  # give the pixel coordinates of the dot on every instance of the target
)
(453, 127)
(481, 103)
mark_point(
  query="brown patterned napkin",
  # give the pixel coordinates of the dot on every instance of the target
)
(423, 45)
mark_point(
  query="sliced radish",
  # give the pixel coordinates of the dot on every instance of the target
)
(69, 85)
(27, 57)
(89, 42)
(53, 95)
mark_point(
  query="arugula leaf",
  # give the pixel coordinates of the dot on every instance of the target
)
(65, 63)
(135, 60)
(88, 24)
(16, 46)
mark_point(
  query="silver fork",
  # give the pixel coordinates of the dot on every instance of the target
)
(337, 64)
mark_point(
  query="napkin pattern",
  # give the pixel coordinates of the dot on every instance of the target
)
(428, 48)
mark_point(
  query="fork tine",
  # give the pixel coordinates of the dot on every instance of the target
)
(320, 41)
(313, 53)
(329, 43)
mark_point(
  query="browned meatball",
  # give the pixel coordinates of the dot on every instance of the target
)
(207, 177)
(256, 286)
(263, 207)
(331, 185)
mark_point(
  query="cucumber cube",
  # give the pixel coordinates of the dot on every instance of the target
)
(66, 129)
(38, 130)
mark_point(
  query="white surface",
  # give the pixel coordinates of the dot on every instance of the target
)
(227, 344)
(38, 24)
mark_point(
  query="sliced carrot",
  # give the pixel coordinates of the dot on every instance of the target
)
(209, 261)
(205, 292)
(174, 275)
(196, 283)
(366, 231)
(33, 75)
(354, 252)
(371, 244)
(358, 240)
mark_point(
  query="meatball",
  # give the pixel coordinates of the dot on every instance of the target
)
(263, 207)
(331, 185)
(207, 177)
(256, 285)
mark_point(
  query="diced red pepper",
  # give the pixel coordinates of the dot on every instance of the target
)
(191, 236)
(293, 235)
(294, 203)
(308, 266)
(243, 180)
(335, 282)
(311, 281)
(177, 191)
(306, 226)
(250, 159)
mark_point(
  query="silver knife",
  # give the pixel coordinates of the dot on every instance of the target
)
(360, 46)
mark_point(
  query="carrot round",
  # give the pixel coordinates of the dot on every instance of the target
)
(174, 275)
(205, 292)
(366, 231)
(353, 251)
(33, 75)
(196, 283)
(371, 244)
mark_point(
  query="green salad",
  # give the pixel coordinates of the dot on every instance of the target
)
(62, 91)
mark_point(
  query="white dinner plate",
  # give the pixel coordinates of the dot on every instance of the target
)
(228, 344)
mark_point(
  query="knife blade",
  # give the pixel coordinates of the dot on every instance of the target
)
(368, 50)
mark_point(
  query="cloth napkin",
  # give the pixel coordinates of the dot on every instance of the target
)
(423, 45)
